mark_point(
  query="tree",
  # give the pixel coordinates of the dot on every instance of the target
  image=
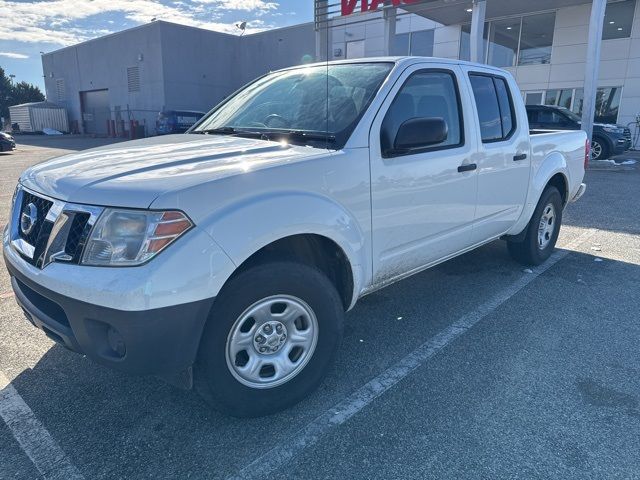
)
(24, 92)
(5, 95)
(21, 92)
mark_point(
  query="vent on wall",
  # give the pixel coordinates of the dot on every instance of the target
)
(61, 93)
(133, 79)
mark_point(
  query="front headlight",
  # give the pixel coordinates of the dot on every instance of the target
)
(613, 130)
(132, 237)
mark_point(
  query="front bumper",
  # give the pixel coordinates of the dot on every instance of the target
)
(7, 145)
(160, 341)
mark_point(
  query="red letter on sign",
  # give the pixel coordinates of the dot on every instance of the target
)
(348, 6)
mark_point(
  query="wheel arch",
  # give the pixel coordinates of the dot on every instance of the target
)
(301, 226)
(313, 250)
(559, 180)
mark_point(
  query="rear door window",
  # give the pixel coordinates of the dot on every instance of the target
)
(494, 104)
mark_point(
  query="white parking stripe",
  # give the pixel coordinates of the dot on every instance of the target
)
(343, 411)
(35, 440)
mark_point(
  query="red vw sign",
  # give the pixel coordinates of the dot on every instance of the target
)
(348, 6)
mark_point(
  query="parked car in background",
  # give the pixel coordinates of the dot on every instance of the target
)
(7, 142)
(607, 140)
(232, 252)
(176, 121)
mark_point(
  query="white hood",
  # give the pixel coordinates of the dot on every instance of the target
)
(133, 174)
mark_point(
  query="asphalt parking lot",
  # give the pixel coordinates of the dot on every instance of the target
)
(477, 368)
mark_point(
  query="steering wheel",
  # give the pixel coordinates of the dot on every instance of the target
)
(275, 120)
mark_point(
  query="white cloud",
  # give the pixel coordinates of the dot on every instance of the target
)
(248, 5)
(57, 21)
(13, 55)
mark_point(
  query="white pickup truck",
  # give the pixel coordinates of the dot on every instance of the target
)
(226, 257)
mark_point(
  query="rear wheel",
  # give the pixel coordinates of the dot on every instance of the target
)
(270, 339)
(542, 230)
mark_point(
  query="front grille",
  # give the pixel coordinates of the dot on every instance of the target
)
(77, 236)
(42, 206)
(627, 134)
(61, 238)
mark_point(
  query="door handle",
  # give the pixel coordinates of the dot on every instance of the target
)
(467, 168)
(522, 156)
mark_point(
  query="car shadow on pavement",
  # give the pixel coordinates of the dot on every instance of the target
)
(114, 425)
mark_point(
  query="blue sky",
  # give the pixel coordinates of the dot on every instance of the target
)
(31, 27)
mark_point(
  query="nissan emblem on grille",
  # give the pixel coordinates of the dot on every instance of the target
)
(28, 218)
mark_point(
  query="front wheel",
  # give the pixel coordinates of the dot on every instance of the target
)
(269, 340)
(599, 149)
(542, 231)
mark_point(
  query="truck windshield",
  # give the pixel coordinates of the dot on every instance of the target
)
(318, 105)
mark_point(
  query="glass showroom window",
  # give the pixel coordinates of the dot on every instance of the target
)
(503, 42)
(514, 41)
(536, 39)
(415, 43)
(607, 104)
(618, 19)
(607, 101)
(465, 42)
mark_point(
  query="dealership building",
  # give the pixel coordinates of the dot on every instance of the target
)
(556, 49)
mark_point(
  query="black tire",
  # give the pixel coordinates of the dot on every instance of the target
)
(528, 251)
(213, 377)
(605, 150)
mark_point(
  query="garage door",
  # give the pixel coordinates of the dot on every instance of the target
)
(95, 111)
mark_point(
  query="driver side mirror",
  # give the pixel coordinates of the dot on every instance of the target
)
(417, 133)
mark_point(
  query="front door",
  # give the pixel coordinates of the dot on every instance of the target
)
(423, 200)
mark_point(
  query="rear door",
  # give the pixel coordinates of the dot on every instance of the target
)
(423, 203)
(504, 162)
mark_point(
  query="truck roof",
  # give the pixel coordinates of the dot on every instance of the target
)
(406, 60)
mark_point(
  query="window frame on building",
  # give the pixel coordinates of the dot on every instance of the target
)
(410, 42)
(577, 94)
(611, 28)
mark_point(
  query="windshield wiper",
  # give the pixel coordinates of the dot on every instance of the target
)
(304, 135)
(291, 135)
(217, 131)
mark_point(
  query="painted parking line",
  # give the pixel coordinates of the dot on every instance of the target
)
(36, 442)
(280, 454)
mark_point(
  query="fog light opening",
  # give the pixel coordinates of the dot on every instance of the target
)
(116, 342)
